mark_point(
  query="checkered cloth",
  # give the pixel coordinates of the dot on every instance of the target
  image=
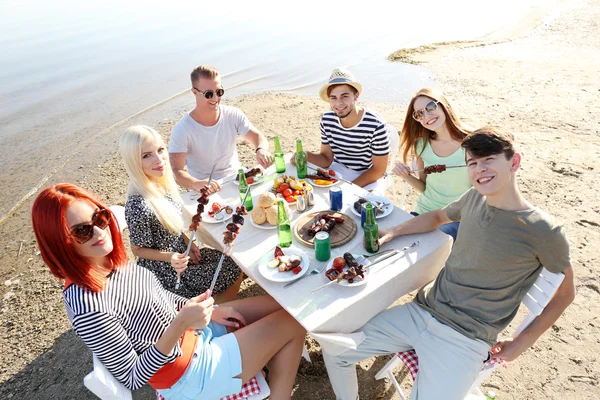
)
(410, 359)
(248, 389)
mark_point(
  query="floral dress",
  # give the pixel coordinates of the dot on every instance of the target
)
(146, 230)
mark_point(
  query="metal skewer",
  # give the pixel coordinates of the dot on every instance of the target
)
(214, 280)
(193, 235)
(447, 167)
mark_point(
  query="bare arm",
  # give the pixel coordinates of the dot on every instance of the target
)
(426, 222)
(184, 179)
(403, 172)
(510, 349)
(260, 143)
(372, 174)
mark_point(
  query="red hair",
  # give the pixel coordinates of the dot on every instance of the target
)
(56, 247)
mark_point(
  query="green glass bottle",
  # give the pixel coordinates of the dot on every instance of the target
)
(243, 188)
(279, 161)
(284, 231)
(371, 230)
(300, 160)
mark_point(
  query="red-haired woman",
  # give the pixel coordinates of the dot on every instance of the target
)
(143, 333)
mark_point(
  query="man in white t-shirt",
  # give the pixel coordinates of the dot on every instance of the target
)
(355, 141)
(207, 136)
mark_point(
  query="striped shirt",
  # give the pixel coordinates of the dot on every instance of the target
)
(355, 147)
(122, 323)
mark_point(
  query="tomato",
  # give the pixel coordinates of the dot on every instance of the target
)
(283, 187)
(215, 206)
(297, 270)
(296, 193)
(287, 193)
(331, 172)
(211, 213)
(339, 263)
(290, 199)
(250, 180)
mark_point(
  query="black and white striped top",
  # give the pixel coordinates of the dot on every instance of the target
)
(122, 323)
(355, 147)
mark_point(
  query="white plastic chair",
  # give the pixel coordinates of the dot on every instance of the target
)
(119, 212)
(536, 299)
(394, 148)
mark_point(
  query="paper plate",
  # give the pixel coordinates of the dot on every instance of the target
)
(344, 282)
(273, 274)
(386, 210)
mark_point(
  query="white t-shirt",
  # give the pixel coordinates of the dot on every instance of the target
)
(207, 145)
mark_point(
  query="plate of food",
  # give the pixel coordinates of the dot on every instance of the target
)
(217, 213)
(325, 178)
(264, 213)
(347, 271)
(283, 265)
(383, 207)
(289, 188)
(254, 176)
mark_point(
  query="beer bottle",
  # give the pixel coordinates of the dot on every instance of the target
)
(371, 230)
(284, 231)
(279, 161)
(300, 160)
(243, 188)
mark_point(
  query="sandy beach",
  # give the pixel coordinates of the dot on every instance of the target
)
(538, 79)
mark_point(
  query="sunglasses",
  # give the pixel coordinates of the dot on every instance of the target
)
(208, 94)
(418, 115)
(84, 232)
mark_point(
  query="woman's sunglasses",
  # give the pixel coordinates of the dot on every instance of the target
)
(84, 232)
(418, 115)
(209, 93)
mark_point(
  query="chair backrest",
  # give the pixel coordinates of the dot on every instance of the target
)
(538, 297)
(119, 212)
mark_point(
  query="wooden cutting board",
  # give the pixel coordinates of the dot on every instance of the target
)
(339, 235)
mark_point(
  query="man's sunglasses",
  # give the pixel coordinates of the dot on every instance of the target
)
(84, 232)
(209, 93)
(418, 115)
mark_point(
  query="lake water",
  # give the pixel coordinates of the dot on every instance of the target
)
(70, 69)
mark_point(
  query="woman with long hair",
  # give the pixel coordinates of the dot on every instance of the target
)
(144, 333)
(154, 216)
(432, 133)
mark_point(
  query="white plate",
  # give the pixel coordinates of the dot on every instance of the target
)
(212, 220)
(386, 211)
(266, 225)
(256, 181)
(273, 274)
(337, 176)
(345, 282)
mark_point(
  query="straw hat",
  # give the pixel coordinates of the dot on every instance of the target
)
(339, 77)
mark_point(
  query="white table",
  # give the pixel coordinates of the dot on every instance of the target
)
(335, 309)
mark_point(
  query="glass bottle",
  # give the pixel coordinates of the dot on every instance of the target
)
(279, 161)
(284, 231)
(300, 160)
(371, 230)
(243, 188)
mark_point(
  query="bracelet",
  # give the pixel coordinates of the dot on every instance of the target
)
(259, 148)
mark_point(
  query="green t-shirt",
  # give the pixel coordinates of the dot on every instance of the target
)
(495, 260)
(442, 188)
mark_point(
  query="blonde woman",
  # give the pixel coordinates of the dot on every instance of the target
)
(154, 216)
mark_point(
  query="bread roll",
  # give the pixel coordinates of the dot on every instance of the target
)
(266, 200)
(272, 214)
(259, 216)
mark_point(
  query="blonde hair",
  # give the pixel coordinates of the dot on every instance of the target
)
(153, 191)
(203, 71)
(413, 130)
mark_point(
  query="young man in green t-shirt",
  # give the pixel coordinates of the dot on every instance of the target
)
(503, 242)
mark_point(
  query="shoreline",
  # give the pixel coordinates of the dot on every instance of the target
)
(537, 85)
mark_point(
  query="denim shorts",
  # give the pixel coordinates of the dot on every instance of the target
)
(210, 375)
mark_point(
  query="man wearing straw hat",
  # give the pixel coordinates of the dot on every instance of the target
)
(206, 137)
(355, 141)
